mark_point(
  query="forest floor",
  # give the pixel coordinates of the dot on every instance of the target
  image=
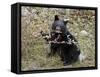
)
(35, 50)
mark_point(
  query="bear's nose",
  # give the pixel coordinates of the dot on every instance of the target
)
(58, 30)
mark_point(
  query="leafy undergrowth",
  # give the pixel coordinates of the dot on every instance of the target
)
(35, 50)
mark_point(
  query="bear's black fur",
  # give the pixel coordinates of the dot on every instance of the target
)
(67, 50)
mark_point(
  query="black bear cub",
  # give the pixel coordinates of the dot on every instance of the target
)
(63, 42)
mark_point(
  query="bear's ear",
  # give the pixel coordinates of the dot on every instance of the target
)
(66, 21)
(56, 17)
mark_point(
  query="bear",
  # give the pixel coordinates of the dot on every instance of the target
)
(62, 42)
